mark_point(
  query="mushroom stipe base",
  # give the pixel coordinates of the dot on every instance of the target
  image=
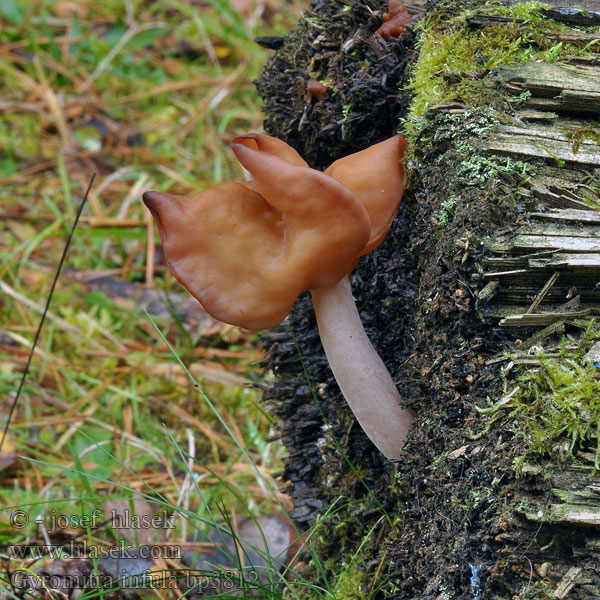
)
(360, 373)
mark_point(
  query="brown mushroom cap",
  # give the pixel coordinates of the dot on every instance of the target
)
(377, 179)
(247, 250)
(246, 255)
(270, 145)
(316, 89)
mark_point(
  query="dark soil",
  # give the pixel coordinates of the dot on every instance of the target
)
(451, 486)
(335, 43)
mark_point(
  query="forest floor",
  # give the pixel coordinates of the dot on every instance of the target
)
(146, 95)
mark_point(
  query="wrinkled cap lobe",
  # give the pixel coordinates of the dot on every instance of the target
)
(377, 178)
(247, 250)
(246, 259)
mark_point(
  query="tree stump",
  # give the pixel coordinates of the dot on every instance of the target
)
(483, 302)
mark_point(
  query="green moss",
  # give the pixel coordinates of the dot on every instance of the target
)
(349, 580)
(475, 170)
(353, 569)
(454, 58)
(554, 410)
(587, 132)
(447, 210)
(349, 584)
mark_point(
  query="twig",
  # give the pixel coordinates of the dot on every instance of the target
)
(538, 299)
(49, 299)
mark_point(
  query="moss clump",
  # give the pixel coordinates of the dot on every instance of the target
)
(554, 410)
(356, 576)
(455, 58)
(349, 584)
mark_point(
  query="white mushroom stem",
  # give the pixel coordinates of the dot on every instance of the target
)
(363, 378)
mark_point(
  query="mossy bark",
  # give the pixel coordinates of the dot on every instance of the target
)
(493, 257)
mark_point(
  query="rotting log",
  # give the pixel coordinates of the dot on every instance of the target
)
(535, 275)
(556, 86)
(554, 249)
(539, 278)
(491, 272)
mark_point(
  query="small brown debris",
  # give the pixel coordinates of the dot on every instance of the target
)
(67, 10)
(543, 569)
(395, 20)
(456, 453)
(316, 89)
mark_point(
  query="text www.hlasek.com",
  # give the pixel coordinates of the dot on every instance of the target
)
(79, 550)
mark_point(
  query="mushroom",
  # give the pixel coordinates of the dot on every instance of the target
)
(247, 250)
(394, 21)
(316, 89)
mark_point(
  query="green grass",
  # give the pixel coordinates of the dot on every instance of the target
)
(118, 404)
(147, 95)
